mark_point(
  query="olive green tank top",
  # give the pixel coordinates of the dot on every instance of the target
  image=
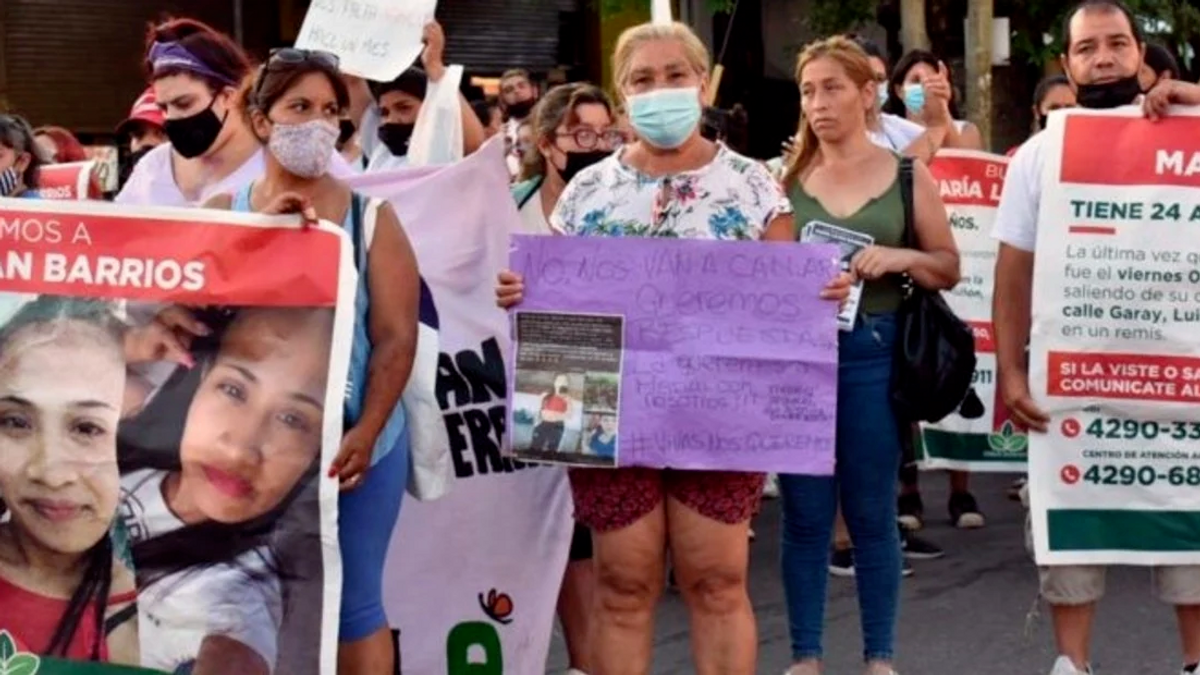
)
(881, 218)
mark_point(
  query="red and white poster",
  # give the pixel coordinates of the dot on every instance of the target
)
(1115, 347)
(980, 436)
(171, 392)
(70, 181)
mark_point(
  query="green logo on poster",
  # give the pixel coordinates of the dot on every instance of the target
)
(13, 662)
(1007, 441)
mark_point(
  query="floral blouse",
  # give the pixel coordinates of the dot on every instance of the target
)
(733, 197)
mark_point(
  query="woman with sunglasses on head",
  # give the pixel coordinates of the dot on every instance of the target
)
(196, 73)
(20, 158)
(292, 106)
(671, 182)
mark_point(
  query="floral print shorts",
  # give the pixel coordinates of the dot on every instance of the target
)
(612, 499)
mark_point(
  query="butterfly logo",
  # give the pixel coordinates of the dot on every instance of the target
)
(498, 606)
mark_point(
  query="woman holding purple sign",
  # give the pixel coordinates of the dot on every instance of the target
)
(841, 181)
(670, 182)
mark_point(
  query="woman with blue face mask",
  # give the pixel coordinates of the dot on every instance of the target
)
(921, 88)
(20, 158)
(669, 182)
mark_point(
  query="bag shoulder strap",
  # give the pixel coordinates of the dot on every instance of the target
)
(357, 233)
(525, 191)
(906, 195)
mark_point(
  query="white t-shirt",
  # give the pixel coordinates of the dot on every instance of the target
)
(382, 159)
(895, 133)
(1016, 217)
(240, 600)
(152, 182)
(533, 218)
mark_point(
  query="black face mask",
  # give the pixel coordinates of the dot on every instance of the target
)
(1110, 94)
(346, 131)
(396, 137)
(578, 161)
(193, 136)
(521, 109)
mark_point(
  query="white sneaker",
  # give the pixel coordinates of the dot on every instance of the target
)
(1064, 666)
(575, 671)
(771, 486)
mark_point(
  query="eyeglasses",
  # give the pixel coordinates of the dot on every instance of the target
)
(588, 138)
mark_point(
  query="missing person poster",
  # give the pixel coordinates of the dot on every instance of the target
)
(980, 436)
(170, 402)
(567, 387)
(1113, 354)
(679, 354)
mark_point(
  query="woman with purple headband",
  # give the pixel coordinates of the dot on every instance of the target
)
(196, 73)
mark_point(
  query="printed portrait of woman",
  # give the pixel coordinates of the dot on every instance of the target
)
(219, 463)
(63, 593)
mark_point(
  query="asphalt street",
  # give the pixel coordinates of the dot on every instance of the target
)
(964, 614)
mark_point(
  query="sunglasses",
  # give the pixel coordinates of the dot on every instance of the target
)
(284, 58)
(293, 57)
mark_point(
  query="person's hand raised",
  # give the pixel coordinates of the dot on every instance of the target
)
(433, 57)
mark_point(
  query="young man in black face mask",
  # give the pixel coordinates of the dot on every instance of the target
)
(400, 103)
(518, 96)
(1104, 52)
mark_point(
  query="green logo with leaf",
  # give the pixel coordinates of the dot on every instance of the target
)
(13, 662)
(1007, 441)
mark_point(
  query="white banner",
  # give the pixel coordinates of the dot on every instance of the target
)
(375, 39)
(1115, 351)
(980, 436)
(473, 577)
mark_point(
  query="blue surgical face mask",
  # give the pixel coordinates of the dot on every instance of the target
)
(914, 97)
(665, 118)
(881, 95)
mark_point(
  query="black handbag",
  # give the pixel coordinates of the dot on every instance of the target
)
(935, 350)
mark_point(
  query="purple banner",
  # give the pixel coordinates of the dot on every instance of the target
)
(674, 353)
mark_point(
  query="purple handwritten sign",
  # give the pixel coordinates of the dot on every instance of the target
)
(669, 353)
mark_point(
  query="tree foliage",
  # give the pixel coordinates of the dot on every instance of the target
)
(1038, 26)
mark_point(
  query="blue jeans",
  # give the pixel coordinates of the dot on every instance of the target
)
(868, 458)
(367, 516)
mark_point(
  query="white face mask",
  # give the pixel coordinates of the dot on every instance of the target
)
(304, 149)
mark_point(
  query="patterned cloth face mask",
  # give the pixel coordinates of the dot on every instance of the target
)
(304, 149)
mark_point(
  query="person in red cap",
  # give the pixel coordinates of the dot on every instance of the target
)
(143, 128)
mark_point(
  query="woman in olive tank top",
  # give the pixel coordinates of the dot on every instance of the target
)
(839, 179)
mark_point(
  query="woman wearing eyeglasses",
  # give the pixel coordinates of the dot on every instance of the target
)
(293, 107)
(195, 72)
(572, 130)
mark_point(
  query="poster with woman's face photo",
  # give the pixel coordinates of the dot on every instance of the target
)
(166, 430)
